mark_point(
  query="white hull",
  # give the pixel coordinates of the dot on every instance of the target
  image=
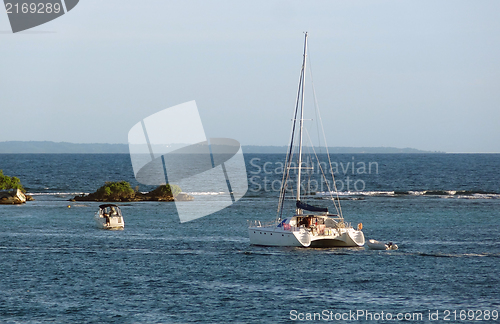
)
(115, 222)
(376, 245)
(272, 236)
(320, 237)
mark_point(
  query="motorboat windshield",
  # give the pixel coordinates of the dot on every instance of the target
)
(110, 210)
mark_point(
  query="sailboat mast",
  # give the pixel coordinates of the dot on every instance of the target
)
(299, 211)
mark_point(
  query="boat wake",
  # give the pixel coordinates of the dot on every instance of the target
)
(458, 255)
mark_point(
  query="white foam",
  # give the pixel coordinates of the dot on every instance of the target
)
(206, 193)
(376, 193)
(356, 193)
(417, 193)
(56, 193)
(476, 196)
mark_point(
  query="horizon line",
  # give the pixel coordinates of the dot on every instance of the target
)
(251, 145)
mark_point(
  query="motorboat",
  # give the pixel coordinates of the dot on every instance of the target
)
(376, 245)
(310, 226)
(109, 217)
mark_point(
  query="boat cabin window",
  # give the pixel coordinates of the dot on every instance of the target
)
(305, 221)
(310, 220)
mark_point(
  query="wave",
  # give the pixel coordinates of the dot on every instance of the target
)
(207, 193)
(461, 194)
(467, 194)
(356, 193)
(56, 193)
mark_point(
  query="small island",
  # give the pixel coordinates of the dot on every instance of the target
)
(12, 191)
(121, 191)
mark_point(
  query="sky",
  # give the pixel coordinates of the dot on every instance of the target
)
(419, 74)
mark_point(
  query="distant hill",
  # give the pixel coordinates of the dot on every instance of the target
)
(96, 148)
(60, 147)
(335, 150)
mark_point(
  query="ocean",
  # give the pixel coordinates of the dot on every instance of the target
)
(442, 210)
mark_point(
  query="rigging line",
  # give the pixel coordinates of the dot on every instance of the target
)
(290, 151)
(301, 123)
(330, 164)
(337, 208)
(331, 169)
(308, 154)
(324, 139)
(284, 187)
(289, 158)
(316, 107)
(284, 184)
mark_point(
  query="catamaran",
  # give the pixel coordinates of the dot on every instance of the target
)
(310, 226)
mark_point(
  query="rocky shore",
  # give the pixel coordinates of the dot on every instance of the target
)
(13, 197)
(122, 192)
(12, 191)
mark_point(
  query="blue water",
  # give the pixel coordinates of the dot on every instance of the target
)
(443, 210)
